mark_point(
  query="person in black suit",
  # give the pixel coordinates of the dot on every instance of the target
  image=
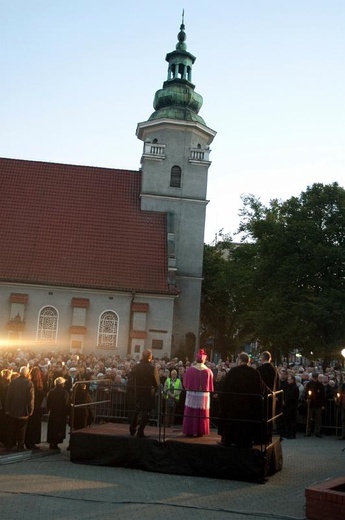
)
(270, 377)
(291, 397)
(317, 402)
(146, 382)
(19, 406)
(268, 373)
(241, 401)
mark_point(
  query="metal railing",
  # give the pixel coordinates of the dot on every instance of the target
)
(113, 402)
(105, 384)
(267, 409)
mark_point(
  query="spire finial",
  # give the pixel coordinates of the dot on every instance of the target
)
(182, 36)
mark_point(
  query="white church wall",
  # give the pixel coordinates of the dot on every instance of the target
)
(157, 324)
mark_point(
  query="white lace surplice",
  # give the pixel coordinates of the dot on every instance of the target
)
(198, 400)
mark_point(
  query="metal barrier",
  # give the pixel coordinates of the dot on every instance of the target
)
(106, 383)
(269, 409)
(331, 417)
(114, 402)
(111, 403)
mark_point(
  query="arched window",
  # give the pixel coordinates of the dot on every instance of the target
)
(47, 324)
(175, 177)
(107, 331)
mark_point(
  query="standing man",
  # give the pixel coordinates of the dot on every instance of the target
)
(70, 378)
(291, 397)
(146, 381)
(283, 383)
(241, 405)
(19, 406)
(172, 391)
(268, 373)
(342, 404)
(270, 377)
(315, 394)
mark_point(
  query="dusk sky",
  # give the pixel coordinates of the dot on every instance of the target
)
(78, 75)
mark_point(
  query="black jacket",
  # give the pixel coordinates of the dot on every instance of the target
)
(317, 394)
(269, 375)
(242, 393)
(58, 408)
(146, 379)
(20, 398)
(241, 406)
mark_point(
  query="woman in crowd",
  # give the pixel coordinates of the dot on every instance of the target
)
(5, 379)
(291, 398)
(81, 416)
(58, 409)
(33, 430)
(215, 400)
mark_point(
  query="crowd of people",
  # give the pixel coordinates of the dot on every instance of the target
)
(198, 393)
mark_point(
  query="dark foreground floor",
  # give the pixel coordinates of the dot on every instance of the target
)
(55, 488)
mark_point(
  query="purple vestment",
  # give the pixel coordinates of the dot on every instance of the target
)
(198, 382)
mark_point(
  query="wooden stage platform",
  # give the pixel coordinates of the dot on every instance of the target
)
(111, 445)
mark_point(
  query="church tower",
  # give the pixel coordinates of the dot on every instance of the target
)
(175, 165)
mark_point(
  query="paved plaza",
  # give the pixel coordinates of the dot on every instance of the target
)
(51, 487)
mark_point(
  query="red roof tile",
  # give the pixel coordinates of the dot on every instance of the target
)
(79, 226)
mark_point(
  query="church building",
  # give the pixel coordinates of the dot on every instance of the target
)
(104, 260)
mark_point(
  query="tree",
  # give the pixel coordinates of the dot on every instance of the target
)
(215, 305)
(224, 291)
(299, 271)
(284, 285)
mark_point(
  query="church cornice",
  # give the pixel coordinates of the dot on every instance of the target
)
(172, 198)
(177, 124)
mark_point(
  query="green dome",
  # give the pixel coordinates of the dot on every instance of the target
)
(178, 99)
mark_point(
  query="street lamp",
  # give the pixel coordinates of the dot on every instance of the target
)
(343, 354)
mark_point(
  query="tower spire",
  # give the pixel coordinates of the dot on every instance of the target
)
(182, 36)
(178, 99)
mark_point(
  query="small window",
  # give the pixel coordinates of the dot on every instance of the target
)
(107, 330)
(47, 324)
(175, 177)
(76, 344)
(157, 344)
